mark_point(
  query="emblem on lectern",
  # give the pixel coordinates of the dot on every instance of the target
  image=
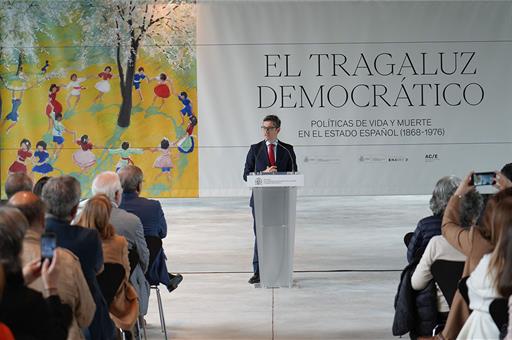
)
(258, 181)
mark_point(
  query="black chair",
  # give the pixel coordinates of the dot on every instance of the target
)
(133, 258)
(110, 280)
(499, 312)
(447, 275)
(463, 289)
(154, 245)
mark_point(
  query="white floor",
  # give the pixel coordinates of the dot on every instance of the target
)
(348, 257)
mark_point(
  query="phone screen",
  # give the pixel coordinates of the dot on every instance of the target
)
(483, 178)
(48, 245)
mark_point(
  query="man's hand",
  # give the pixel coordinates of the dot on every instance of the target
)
(270, 169)
(50, 272)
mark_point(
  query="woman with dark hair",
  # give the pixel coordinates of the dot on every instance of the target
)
(487, 281)
(124, 309)
(431, 226)
(26, 312)
(474, 242)
(53, 104)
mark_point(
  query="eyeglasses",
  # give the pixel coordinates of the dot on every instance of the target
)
(268, 129)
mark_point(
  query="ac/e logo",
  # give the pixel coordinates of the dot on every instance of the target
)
(431, 156)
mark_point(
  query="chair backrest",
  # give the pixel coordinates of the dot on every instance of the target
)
(499, 312)
(407, 238)
(447, 275)
(133, 258)
(110, 280)
(154, 245)
(463, 289)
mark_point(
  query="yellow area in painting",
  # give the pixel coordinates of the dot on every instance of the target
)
(149, 125)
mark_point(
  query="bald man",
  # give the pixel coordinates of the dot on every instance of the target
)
(72, 287)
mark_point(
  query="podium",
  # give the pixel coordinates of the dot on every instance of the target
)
(275, 200)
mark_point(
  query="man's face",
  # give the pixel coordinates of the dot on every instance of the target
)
(270, 132)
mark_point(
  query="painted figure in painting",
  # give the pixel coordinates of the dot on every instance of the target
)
(57, 132)
(137, 80)
(103, 86)
(84, 157)
(42, 165)
(53, 104)
(164, 161)
(125, 151)
(19, 165)
(75, 86)
(161, 90)
(13, 116)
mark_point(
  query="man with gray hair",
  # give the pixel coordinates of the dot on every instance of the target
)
(431, 226)
(128, 225)
(155, 227)
(62, 195)
(16, 182)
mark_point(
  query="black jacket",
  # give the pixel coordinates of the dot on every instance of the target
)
(415, 311)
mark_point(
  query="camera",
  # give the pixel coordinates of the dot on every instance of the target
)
(483, 178)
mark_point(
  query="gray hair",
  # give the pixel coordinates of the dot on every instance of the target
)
(131, 177)
(16, 182)
(12, 230)
(443, 190)
(107, 183)
(61, 194)
(470, 207)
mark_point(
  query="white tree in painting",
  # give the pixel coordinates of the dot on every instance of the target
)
(121, 28)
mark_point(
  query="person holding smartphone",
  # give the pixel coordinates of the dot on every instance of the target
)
(27, 313)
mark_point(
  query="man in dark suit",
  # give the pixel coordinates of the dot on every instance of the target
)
(61, 196)
(268, 156)
(153, 221)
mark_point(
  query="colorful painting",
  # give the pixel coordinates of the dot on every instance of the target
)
(89, 86)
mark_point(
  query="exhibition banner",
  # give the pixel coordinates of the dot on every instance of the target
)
(377, 97)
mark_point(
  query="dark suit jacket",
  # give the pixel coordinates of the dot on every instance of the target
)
(257, 158)
(85, 243)
(149, 211)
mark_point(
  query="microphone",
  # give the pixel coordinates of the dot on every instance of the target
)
(289, 154)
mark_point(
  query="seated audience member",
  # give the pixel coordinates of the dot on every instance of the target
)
(96, 214)
(431, 226)
(27, 314)
(71, 286)
(61, 196)
(485, 282)
(153, 220)
(38, 187)
(438, 248)
(474, 242)
(128, 225)
(15, 182)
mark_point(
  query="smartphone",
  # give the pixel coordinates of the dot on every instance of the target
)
(48, 245)
(483, 178)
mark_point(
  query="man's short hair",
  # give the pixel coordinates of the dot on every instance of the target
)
(274, 119)
(131, 177)
(33, 210)
(61, 194)
(16, 182)
(107, 183)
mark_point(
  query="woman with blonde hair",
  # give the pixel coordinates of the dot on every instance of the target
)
(124, 308)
